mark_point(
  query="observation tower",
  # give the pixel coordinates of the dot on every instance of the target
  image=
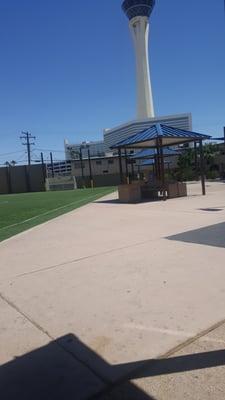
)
(138, 13)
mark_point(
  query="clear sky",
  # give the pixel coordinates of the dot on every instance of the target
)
(68, 68)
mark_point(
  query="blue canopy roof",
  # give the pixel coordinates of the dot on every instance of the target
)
(169, 137)
(150, 153)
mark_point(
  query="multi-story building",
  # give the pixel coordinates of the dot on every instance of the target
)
(61, 168)
(96, 149)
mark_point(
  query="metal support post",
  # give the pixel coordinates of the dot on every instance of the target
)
(202, 169)
(162, 169)
(126, 164)
(120, 167)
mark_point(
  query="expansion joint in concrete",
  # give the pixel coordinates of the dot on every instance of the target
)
(151, 363)
(43, 331)
(76, 260)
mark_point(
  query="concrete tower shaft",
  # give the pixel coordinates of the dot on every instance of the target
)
(138, 12)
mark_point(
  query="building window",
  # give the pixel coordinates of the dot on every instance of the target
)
(110, 161)
(105, 171)
(98, 162)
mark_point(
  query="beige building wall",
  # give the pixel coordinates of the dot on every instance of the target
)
(110, 166)
(100, 166)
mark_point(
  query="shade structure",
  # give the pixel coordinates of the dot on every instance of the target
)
(158, 137)
(150, 153)
(167, 135)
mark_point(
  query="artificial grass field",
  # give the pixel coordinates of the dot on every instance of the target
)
(19, 212)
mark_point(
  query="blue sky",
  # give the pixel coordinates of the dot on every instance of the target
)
(68, 68)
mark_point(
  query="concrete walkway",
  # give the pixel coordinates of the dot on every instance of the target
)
(88, 298)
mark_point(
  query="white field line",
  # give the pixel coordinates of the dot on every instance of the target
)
(47, 212)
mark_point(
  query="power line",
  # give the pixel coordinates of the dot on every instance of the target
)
(21, 159)
(7, 163)
(27, 137)
(51, 150)
(12, 152)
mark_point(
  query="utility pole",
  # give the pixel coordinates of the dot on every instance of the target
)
(52, 165)
(27, 138)
(224, 138)
(82, 167)
(90, 169)
(43, 167)
(42, 158)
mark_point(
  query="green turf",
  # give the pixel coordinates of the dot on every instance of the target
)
(16, 209)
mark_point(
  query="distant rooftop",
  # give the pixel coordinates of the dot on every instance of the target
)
(83, 143)
(136, 8)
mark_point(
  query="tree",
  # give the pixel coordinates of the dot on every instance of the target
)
(210, 151)
(11, 163)
(186, 168)
(186, 165)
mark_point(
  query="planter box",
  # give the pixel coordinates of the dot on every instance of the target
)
(129, 193)
(149, 192)
(182, 189)
(177, 189)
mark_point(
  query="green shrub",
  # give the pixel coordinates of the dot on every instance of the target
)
(213, 174)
